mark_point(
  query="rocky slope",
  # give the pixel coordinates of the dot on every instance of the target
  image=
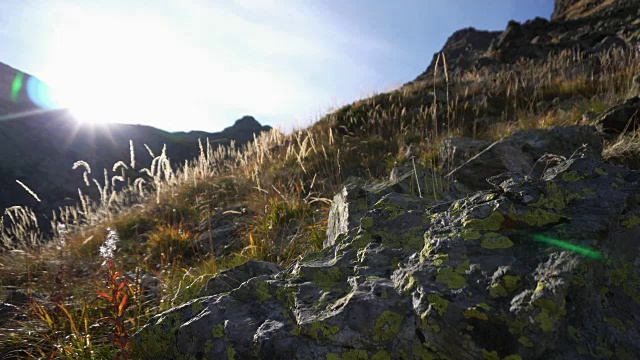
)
(39, 147)
(542, 266)
(529, 252)
(590, 26)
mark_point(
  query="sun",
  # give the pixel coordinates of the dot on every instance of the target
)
(129, 69)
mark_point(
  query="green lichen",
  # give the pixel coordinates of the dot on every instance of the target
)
(540, 217)
(366, 222)
(493, 240)
(438, 303)
(619, 275)
(287, 295)
(409, 282)
(490, 355)
(261, 291)
(230, 352)
(317, 330)
(497, 290)
(616, 323)
(525, 341)
(218, 331)
(512, 282)
(452, 279)
(440, 259)
(555, 199)
(355, 355)
(387, 326)
(361, 240)
(208, 346)
(484, 306)
(540, 286)
(601, 172)
(420, 351)
(196, 307)
(470, 234)
(545, 320)
(463, 267)
(492, 222)
(333, 356)
(512, 357)
(325, 279)
(588, 191)
(473, 312)
(571, 176)
(381, 355)
(631, 222)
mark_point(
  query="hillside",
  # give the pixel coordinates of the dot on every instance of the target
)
(488, 209)
(40, 146)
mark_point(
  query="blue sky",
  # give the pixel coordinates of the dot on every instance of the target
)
(201, 64)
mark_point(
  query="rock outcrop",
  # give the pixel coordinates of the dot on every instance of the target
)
(539, 267)
(585, 26)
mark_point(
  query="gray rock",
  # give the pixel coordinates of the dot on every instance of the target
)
(455, 151)
(616, 119)
(537, 269)
(234, 277)
(519, 153)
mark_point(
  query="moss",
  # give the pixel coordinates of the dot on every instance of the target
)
(616, 323)
(438, 303)
(493, 355)
(318, 329)
(492, 222)
(463, 267)
(497, 290)
(218, 331)
(588, 191)
(484, 306)
(208, 346)
(409, 282)
(601, 172)
(473, 312)
(512, 357)
(261, 291)
(571, 176)
(355, 355)
(496, 241)
(470, 234)
(361, 240)
(525, 341)
(631, 222)
(387, 326)
(574, 334)
(381, 355)
(230, 352)
(196, 307)
(512, 282)
(540, 217)
(619, 275)
(333, 356)
(440, 259)
(420, 351)
(366, 222)
(287, 295)
(325, 279)
(545, 320)
(452, 279)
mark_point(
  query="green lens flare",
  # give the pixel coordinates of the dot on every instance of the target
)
(568, 246)
(16, 86)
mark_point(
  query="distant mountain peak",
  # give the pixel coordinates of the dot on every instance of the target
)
(246, 124)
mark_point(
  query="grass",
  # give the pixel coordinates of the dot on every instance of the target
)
(278, 188)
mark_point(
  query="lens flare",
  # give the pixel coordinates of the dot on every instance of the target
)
(16, 86)
(40, 94)
(586, 252)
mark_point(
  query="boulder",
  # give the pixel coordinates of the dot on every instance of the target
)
(234, 277)
(618, 118)
(456, 151)
(519, 153)
(220, 231)
(541, 268)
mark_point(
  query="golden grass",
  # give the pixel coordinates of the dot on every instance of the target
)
(283, 182)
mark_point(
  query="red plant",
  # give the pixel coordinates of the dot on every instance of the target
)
(117, 306)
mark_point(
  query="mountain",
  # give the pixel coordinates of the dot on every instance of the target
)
(40, 146)
(587, 26)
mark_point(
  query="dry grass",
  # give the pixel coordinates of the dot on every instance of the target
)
(283, 182)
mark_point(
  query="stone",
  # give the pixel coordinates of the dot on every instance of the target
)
(519, 153)
(455, 151)
(618, 118)
(234, 277)
(537, 268)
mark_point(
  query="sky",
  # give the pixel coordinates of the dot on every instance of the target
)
(182, 65)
